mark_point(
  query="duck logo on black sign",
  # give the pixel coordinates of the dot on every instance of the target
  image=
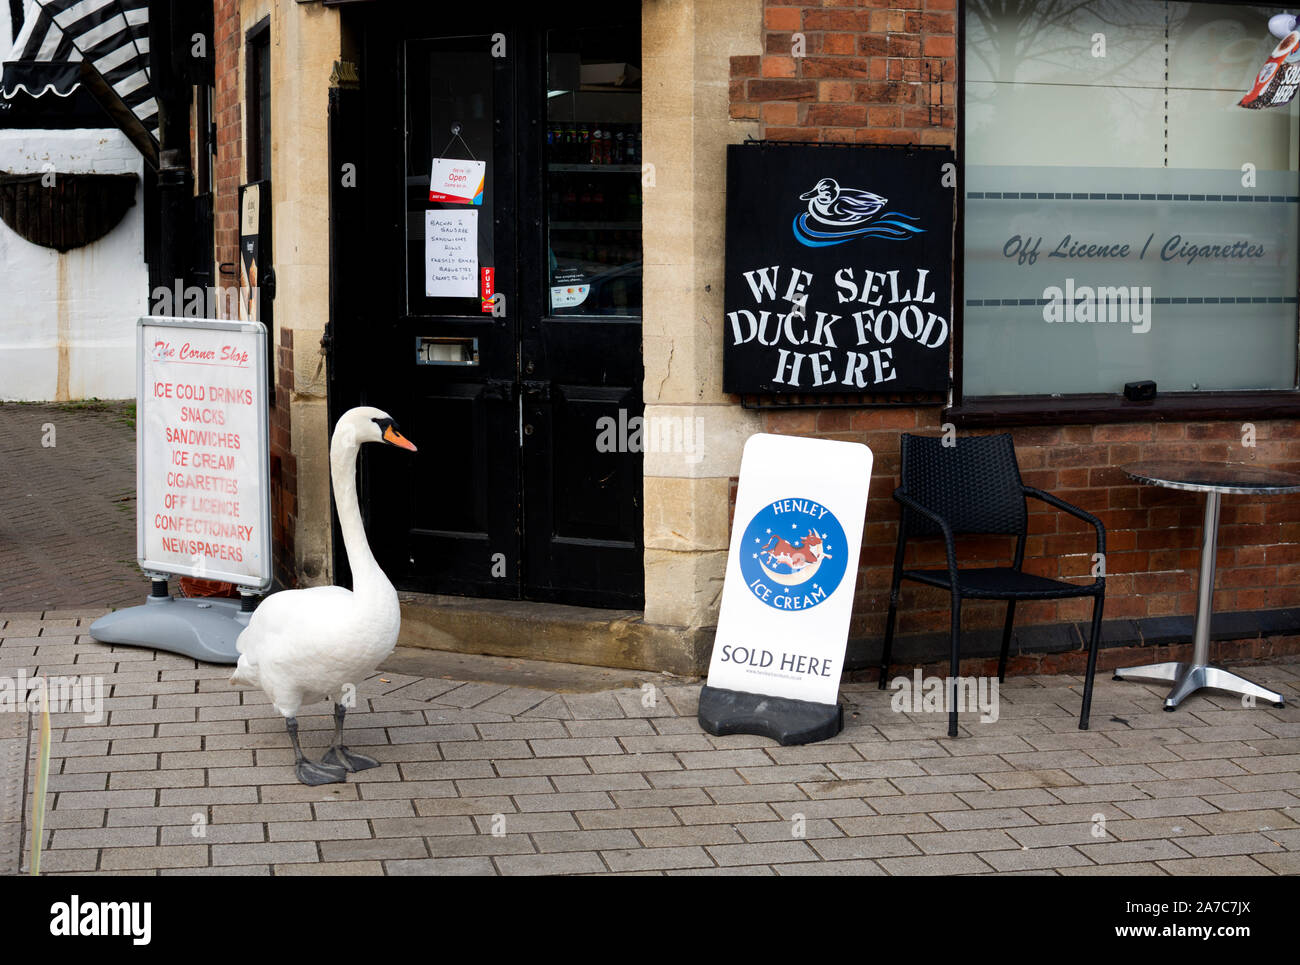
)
(836, 215)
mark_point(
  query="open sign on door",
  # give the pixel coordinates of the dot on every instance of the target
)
(459, 182)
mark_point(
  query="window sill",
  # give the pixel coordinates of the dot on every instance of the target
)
(1036, 410)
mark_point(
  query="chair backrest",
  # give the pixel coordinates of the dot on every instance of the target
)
(973, 483)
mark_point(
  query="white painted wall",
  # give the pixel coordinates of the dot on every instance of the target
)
(67, 321)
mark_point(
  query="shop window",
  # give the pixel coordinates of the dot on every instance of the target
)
(593, 172)
(1124, 217)
(258, 81)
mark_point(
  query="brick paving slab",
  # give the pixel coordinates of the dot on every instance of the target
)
(440, 867)
(1034, 859)
(1231, 844)
(949, 864)
(11, 848)
(331, 868)
(469, 845)
(743, 793)
(1282, 864)
(658, 859)
(826, 790)
(627, 781)
(575, 862)
(845, 868)
(1236, 865)
(707, 778)
(879, 846)
(707, 834)
(184, 775)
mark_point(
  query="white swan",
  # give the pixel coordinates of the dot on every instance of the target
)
(302, 646)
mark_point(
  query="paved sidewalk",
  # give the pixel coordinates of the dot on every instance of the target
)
(186, 775)
(67, 532)
(13, 769)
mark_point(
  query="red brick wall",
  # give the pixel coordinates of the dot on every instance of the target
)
(230, 138)
(878, 71)
(1152, 534)
(883, 72)
(284, 467)
(229, 42)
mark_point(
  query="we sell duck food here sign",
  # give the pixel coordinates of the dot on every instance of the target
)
(838, 269)
(203, 507)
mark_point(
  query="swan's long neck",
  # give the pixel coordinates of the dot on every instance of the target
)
(367, 577)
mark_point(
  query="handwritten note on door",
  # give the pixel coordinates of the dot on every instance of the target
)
(451, 254)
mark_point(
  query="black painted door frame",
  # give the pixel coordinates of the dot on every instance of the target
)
(524, 419)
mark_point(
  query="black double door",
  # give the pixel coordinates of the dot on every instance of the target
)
(502, 332)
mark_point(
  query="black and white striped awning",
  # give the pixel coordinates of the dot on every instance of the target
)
(103, 44)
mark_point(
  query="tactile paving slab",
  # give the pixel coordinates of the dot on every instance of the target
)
(13, 774)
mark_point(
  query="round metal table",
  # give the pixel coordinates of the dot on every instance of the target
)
(1213, 479)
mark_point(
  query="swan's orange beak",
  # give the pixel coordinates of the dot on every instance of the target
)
(395, 438)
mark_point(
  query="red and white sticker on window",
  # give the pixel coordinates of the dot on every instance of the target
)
(1279, 79)
(487, 288)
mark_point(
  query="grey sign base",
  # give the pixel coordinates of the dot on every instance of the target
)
(205, 628)
(780, 718)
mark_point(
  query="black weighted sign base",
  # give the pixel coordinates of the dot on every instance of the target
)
(784, 720)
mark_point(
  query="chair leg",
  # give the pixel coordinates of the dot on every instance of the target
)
(889, 632)
(1093, 642)
(955, 663)
(1006, 641)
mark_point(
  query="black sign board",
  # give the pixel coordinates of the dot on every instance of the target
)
(839, 269)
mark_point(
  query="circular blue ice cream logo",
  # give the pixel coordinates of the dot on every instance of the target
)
(792, 554)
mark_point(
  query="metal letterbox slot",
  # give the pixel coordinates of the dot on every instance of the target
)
(443, 350)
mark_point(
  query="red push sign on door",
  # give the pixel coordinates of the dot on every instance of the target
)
(487, 288)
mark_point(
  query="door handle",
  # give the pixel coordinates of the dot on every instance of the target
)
(536, 390)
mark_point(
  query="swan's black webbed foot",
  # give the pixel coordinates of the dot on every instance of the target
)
(309, 772)
(345, 758)
(312, 774)
(340, 755)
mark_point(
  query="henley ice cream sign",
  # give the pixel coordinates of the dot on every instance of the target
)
(839, 269)
(792, 566)
(788, 593)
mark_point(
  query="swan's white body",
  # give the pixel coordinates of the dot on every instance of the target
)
(302, 646)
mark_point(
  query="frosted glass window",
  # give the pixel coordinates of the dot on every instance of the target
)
(1125, 218)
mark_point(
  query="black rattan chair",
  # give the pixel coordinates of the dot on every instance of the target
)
(973, 486)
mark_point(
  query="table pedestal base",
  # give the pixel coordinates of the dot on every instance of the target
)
(1199, 673)
(1188, 678)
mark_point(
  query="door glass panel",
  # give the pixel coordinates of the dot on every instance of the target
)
(450, 253)
(593, 172)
